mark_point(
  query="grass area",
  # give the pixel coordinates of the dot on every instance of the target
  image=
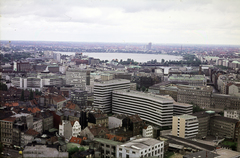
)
(168, 154)
(232, 145)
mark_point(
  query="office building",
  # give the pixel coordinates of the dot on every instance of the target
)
(76, 77)
(185, 126)
(193, 80)
(103, 93)
(143, 147)
(157, 110)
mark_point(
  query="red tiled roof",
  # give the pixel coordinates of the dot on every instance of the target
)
(32, 132)
(117, 138)
(10, 119)
(58, 98)
(33, 110)
(12, 104)
(70, 105)
(96, 129)
(76, 140)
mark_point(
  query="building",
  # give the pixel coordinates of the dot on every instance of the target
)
(7, 130)
(107, 147)
(185, 126)
(182, 108)
(155, 109)
(79, 97)
(200, 96)
(234, 89)
(144, 147)
(94, 118)
(202, 154)
(23, 66)
(193, 80)
(115, 121)
(103, 93)
(147, 131)
(234, 114)
(223, 127)
(94, 131)
(134, 124)
(57, 57)
(203, 124)
(77, 78)
(76, 128)
(42, 151)
(65, 129)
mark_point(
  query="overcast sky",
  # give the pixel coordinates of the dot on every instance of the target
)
(138, 21)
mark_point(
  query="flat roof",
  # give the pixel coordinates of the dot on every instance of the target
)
(150, 96)
(111, 82)
(141, 143)
(107, 141)
(186, 116)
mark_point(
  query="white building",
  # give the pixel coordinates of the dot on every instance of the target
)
(147, 131)
(151, 108)
(144, 147)
(76, 128)
(115, 121)
(234, 114)
(65, 129)
(234, 90)
(103, 93)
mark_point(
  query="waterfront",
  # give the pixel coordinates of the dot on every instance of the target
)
(124, 56)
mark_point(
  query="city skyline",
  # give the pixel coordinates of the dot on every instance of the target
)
(189, 22)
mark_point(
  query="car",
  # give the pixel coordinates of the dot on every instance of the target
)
(7, 154)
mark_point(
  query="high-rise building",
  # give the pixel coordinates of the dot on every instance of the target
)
(149, 46)
(155, 109)
(185, 126)
(103, 93)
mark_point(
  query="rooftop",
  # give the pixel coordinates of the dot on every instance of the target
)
(186, 116)
(147, 96)
(141, 143)
(107, 141)
(111, 82)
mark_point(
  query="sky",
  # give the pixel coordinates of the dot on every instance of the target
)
(122, 21)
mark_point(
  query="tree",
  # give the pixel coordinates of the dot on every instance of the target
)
(143, 88)
(22, 96)
(3, 87)
(163, 60)
(73, 150)
(31, 95)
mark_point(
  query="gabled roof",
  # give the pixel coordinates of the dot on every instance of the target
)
(70, 105)
(12, 104)
(135, 118)
(76, 140)
(10, 119)
(58, 98)
(33, 109)
(96, 129)
(32, 132)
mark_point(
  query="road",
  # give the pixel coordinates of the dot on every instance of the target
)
(12, 152)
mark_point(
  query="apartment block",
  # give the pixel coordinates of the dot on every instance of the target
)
(185, 126)
(193, 80)
(76, 77)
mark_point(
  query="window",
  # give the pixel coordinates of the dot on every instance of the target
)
(133, 152)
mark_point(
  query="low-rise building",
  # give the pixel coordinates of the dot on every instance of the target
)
(147, 131)
(143, 147)
(42, 151)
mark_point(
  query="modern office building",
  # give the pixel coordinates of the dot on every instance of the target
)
(143, 147)
(182, 108)
(103, 93)
(155, 109)
(185, 126)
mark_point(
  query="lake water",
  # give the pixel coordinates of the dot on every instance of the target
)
(125, 56)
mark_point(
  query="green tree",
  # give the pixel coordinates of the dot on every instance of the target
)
(31, 95)
(163, 60)
(73, 150)
(143, 88)
(3, 87)
(22, 96)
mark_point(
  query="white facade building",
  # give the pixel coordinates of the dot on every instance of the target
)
(144, 147)
(151, 108)
(76, 129)
(115, 121)
(103, 93)
(234, 114)
(148, 131)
